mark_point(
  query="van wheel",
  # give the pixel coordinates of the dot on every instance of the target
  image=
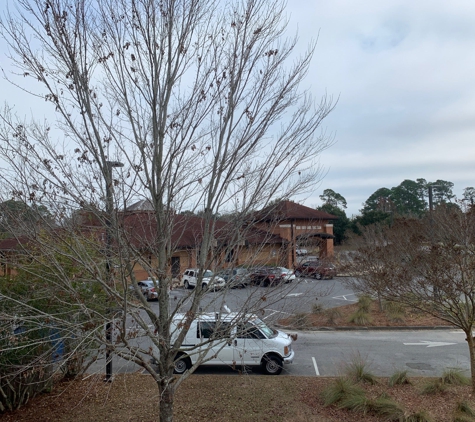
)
(187, 285)
(182, 364)
(271, 365)
(204, 286)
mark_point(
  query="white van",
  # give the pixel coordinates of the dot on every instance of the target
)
(232, 339)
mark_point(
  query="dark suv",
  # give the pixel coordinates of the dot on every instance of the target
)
(235, 277)
(317, 269)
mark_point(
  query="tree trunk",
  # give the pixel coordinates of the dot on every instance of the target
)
(166, 393)
(471, 347)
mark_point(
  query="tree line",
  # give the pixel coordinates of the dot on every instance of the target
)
(409, 198)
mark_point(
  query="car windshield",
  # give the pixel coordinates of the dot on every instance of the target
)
(208, 274)
(268, 332)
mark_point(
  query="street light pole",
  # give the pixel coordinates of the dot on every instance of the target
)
(109, 216)
(431, 223)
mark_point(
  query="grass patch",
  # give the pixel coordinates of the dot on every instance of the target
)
(434, 387)
(387, 407)
(340, 389)
(464, 407)
(398, 378)
(364, 303)
(333, 315)
(455, 376)
(356, 403)
(360, 317)
(421, 416)
(356, 370)
(394, 311)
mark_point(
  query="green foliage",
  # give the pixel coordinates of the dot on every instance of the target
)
(464, 413)
(356, 371)
(364, 303)
(454, 376)
(356, 403)
(339, 389)
(394, 310)
(387, 407)
(332, 314)
(464, 407)
(434, 387)
(421, 416)
(398, 378)
(330, 197)
(360, 317)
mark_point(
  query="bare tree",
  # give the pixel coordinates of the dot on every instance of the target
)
(427, 264)
(200, 101)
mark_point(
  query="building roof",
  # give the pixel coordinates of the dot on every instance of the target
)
(289, 210)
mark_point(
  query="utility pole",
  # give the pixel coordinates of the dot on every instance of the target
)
(109, 228)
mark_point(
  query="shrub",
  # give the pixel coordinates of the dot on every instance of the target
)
(332, 315)
(356, 371)
(434, 387)
(387, 407)
(421, 416)
(338, 390)
(398, 378)
(356, 403)
(364, 303)
(394, 311)
(464, 408)
(360, 317)
(454, 376)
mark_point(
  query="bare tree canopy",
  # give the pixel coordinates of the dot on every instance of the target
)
(182, 105)
(426, 263)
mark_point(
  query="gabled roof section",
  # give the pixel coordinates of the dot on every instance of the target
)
(289, 210)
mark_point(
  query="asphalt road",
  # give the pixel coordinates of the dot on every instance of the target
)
(325, 353)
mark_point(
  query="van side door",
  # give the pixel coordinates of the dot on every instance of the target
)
(248, 345)
(218, 347)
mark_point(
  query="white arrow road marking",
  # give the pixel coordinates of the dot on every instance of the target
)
(429, 343)
(345, 297)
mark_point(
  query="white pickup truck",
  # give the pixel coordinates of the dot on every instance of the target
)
(209, 280)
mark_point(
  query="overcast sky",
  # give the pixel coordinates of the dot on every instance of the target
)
(403, 72)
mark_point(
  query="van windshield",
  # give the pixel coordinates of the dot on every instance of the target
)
(268, 332)
(208, 274)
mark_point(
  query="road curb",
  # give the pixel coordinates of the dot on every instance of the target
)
(348, 328)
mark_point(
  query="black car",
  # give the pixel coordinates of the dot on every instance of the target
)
(266, 276)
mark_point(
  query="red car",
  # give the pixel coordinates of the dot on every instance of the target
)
(317, 269)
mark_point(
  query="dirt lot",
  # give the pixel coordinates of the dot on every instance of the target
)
(134, 397)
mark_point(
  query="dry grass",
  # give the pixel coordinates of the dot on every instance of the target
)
(133, 397)
(342, 315)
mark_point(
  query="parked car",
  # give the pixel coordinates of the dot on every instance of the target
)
(235, 277)
(265, 276)
(301, 252)
(286, 275)
(144, 286)
(317, 269)
(209, 280)
(232, 339)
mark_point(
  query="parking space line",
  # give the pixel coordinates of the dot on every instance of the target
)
(315, 366)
